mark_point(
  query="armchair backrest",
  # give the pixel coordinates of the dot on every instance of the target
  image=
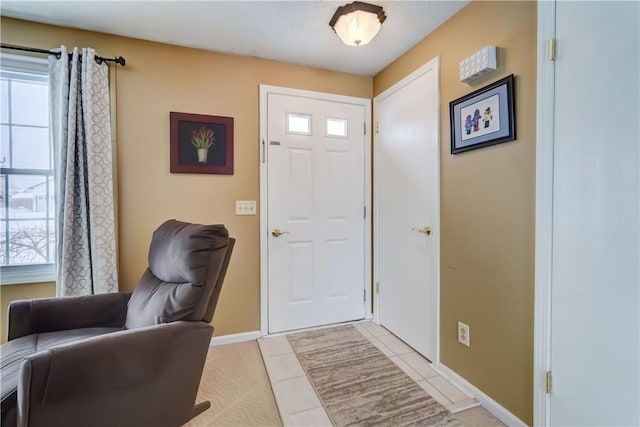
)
(187, 265)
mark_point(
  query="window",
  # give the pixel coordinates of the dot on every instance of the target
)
(337, 127)
(27, 197)
(298, 124)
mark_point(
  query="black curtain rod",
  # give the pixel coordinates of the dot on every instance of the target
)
(99, 59)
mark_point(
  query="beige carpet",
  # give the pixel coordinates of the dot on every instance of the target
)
(236, 384)
(359, 385)
(478, 417)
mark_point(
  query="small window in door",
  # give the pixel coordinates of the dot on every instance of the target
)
(299, 124)
(338, 128)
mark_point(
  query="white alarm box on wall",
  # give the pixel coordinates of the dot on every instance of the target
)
(478, 64)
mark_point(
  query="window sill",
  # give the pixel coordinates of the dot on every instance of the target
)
(22, 274)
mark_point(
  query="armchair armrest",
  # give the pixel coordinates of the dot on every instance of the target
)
(56, 314)
(107, 380)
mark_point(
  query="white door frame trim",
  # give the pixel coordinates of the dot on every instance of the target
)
(545, 127)
(433, 64)
(264, 231)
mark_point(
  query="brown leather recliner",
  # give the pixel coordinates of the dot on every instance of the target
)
(120, 359)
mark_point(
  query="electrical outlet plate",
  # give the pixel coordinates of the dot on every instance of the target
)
(463, 334)
(245, 207)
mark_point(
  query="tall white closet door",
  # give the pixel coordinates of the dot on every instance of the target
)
(595, 273)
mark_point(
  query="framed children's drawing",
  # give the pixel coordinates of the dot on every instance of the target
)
(484, 117)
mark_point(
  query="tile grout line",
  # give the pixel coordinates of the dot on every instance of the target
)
(290, 378)
(305, 410)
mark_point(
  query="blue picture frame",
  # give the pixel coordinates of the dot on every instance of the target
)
(484, 117)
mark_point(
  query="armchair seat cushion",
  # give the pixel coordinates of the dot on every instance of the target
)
(15, 351)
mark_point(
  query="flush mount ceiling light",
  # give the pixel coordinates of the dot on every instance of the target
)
(357, 23)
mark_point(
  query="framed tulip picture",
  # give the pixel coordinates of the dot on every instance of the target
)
(484, 117)
(201, 144)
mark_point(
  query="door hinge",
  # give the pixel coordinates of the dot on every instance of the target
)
(549, 384)
(377, 287)
(364, 297)
(365, 211)
(377, 127)
(553, 48)
(264, 151)
(364, 126)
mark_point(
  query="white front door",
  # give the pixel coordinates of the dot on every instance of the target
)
(316, 200)
(595, 267)
(407, 208)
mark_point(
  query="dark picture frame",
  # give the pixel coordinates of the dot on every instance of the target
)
(484, 117)
(201, 144)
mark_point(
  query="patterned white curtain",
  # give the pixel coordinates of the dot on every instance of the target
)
(80, 123)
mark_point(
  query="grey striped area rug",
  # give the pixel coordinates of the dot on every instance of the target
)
(359, 386)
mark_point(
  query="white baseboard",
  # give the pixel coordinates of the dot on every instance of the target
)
(233, 338)
(488, 403)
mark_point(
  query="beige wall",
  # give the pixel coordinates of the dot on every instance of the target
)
(487, 206)
(161, 78)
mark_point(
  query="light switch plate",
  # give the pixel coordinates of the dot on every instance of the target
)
(245, 207)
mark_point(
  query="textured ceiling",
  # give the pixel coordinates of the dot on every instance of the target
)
(289, 31)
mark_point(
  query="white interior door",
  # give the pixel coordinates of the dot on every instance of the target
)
(316, 199)
(595, 213)
(407, 201)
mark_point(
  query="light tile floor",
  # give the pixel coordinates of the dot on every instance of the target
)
(298, 403)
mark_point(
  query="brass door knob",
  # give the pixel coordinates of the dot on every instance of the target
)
(277, 233)
(424, 230)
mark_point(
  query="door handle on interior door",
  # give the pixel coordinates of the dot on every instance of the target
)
(277, 233)
(424, 230)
